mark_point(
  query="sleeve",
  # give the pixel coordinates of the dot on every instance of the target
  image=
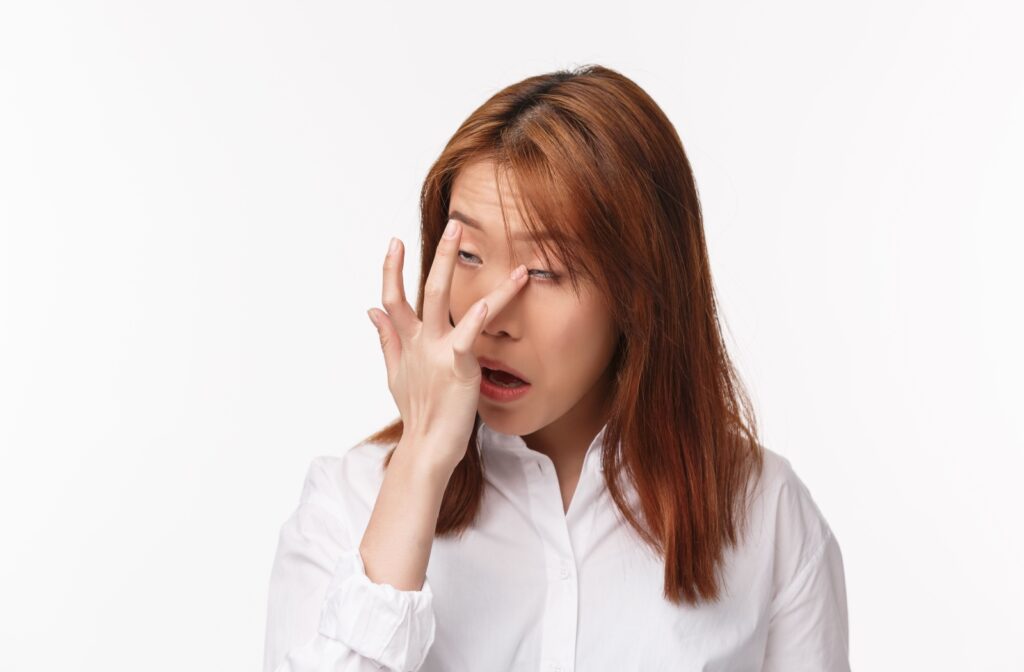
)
(808, 627)
(323, 612)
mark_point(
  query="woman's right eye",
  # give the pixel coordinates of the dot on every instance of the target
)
(467, 254)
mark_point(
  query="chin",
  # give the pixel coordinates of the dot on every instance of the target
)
(507, 420)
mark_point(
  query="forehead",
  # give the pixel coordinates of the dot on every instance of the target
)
(476, 182)
(475, 202)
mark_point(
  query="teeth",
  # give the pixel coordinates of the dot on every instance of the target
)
(490, 377)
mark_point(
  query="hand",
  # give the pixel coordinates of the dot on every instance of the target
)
(432, 372)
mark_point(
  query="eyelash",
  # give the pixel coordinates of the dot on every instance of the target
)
(553, 277)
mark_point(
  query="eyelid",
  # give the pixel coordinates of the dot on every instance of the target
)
(552, 276)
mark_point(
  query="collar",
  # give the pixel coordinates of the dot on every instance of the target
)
(491, 439)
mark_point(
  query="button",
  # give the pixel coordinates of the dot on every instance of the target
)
(565, 570)
(556, 668)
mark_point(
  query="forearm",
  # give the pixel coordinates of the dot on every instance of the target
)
(396, 545)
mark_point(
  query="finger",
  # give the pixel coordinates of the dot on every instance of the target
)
(472, 323)
(390, 343)
(437, 290)
(403, 317)
(500, 296)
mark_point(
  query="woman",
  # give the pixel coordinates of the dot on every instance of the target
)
(575, 482)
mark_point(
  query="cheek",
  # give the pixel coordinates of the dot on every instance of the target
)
(576, 344)
(569, 343)
(459, 299)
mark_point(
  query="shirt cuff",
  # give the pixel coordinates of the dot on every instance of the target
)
(376, 620)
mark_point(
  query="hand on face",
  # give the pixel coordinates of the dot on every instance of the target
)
(432, 372)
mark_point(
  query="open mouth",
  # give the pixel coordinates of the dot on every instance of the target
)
(502, 378)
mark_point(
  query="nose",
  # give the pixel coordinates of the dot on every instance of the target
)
(506, 323)
(497, 333)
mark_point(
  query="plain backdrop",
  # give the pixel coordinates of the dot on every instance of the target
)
(196, 197)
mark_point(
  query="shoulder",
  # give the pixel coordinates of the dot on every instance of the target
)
(786, 523)
(354, 468)
(803, 580)
(346, 484)
(783, 491)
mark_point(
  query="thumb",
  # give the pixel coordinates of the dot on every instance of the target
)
(390, 344)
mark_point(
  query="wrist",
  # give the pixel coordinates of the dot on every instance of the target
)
(417, 456)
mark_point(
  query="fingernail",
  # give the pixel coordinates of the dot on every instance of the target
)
(393, 246)
(519, 272)
(450, 230)
(373, 317)
(482, 308)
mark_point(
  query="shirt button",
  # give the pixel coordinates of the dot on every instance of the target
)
(556, 668)
(565, 570)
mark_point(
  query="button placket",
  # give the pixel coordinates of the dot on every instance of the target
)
(559, 624)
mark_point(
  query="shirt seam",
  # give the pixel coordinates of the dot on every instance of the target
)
(786, 595)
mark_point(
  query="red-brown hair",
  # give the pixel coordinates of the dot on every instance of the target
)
(598, 165)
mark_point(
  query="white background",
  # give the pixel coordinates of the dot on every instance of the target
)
(195, 200)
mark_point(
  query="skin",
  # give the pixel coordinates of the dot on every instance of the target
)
(561, 343)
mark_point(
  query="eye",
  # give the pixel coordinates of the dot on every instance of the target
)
(548, 276)
(467, 254)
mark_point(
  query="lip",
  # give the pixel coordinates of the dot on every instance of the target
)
(495, 364)
(501, 394)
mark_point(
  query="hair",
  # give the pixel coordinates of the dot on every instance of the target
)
(599, 166)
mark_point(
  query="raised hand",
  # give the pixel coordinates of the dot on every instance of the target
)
(432, 372)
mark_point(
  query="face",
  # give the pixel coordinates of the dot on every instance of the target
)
(560, 342)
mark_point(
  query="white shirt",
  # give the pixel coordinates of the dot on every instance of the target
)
(531, 587)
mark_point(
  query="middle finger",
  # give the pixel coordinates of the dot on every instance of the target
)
(437, 289)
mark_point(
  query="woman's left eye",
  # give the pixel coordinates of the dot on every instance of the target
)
(548, 275)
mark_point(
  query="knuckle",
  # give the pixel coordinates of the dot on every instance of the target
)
(433, 288)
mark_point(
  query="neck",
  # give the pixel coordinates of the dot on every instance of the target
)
(566, 440)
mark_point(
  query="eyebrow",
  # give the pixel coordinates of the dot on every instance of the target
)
(472, 223)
